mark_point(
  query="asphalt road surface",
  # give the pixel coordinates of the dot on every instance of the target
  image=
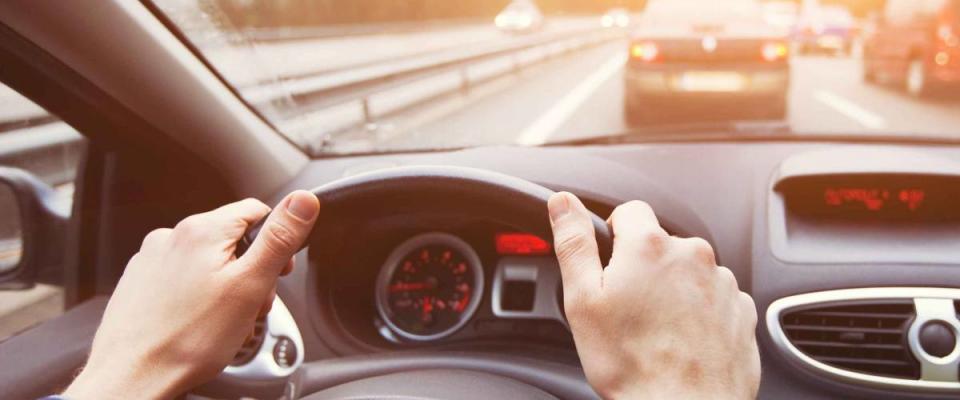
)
(581, 95)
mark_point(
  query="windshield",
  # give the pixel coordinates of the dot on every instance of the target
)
(345, 77)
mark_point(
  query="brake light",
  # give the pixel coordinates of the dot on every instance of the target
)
(775, 51)
(947, 35)
(522, 244)
(645, 51)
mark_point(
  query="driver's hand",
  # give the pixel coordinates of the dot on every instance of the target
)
(662, 320)
(185, 303)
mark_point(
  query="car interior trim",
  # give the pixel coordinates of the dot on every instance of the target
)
(930, 304)
(544, 273)
(933, 368)
(251, 153)
(264, 366)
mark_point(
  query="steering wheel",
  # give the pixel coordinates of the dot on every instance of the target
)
(415, 192)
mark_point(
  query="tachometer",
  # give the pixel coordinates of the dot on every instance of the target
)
(429, 286)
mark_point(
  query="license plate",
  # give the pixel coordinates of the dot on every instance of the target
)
(711, 82)
(830, 42)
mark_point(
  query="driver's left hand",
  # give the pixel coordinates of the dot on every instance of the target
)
(185, 303)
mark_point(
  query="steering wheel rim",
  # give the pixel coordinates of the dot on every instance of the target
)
(421, 191)
(438, 189)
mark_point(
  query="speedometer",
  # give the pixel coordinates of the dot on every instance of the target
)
(429, 286)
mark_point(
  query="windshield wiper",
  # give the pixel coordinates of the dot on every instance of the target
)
(692, 132)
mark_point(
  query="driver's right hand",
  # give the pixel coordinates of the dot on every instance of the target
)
(662, 320)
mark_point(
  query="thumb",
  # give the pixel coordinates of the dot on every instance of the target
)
(283, 233)
(575, 243)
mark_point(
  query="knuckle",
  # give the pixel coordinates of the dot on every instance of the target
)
(571, 245)
(155, 237)
(654, 242)
(191, 226)
(134, 260)
(630, 205)
(702, 250)
(637, 204)
(279, 238)
(727, 278)
(749, 308)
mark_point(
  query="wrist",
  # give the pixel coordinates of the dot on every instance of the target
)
(662, 390)
(123, 380)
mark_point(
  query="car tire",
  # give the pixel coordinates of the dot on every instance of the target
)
(917, 83)
(778, 111)
(869, 75)
(633, 116)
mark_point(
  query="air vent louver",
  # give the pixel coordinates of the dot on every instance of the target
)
(252, 345)
(862, 336)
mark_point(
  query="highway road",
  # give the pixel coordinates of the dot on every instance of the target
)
(574, 96)
(581, 95)
(256, 67)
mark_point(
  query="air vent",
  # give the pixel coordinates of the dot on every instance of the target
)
(252, 345)
(868, 337)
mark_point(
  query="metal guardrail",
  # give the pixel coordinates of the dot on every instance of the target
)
(339, 105)
(351, 30)
(51, 150)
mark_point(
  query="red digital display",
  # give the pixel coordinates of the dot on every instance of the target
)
(895, 199)
(521, 244)
(875, 199)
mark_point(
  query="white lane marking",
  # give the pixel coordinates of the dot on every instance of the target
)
(540, 130)
(846, 107)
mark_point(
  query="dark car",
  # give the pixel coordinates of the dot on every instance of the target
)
(825, 30)
(725, 61)
(915, 43)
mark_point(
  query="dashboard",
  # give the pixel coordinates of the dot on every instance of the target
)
(471, 282)
(849, 251)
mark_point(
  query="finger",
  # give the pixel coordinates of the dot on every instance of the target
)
(247, 210)
(282, 234)
(287, 269)
(241, 214)
(637, 233)
(575, 243)
(232, 220)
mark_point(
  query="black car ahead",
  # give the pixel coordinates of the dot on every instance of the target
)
(915, 43)
(707, 59)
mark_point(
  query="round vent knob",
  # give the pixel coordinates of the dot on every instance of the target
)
(937, 339)
(285, 352)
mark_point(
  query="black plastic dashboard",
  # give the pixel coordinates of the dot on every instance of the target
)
(725, 192)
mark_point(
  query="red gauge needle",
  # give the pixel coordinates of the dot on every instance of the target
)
(410, 286)
(427, 308)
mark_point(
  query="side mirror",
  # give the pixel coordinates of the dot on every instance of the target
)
(32, 230)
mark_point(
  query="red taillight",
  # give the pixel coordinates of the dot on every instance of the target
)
(775, 51)
(522, 244)
(948, 36)
(644, 51)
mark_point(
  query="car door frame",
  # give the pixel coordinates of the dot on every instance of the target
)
(42, 63)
